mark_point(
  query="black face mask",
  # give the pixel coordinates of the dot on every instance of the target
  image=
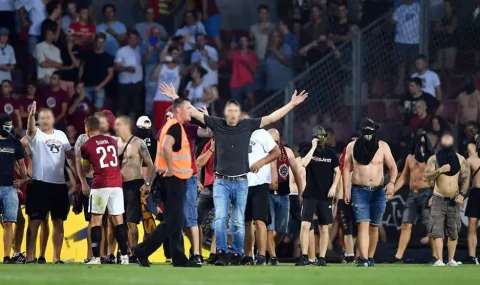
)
(470, 88)
(366, 146)
(143, 133)
(422, 149)
(6, 131)
(447, 155)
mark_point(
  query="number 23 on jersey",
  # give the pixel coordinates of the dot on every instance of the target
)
(108, 157)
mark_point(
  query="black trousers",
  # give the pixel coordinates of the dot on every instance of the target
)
(172, 227)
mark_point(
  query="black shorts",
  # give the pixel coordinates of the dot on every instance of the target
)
(204, 203)
(323, 208)
(473, 204)
(44, 197)
(257, 203)
(132, 200)
(85, 201)
(345, 213)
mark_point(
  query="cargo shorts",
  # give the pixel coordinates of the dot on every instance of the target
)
(444, 218)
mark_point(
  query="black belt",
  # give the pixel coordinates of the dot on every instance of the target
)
(231, 178)
(369, 188)
(276, 193)
(445, 198)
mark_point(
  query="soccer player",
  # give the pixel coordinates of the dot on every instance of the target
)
(473, 206)
(49, 193)
(101, 152)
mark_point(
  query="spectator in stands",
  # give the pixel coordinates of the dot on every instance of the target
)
(56, 99)
(70, 54)
(332, 142)
(468, 108)
(211, 20)
(407, 37)
(207, 57)
(48, 58)
(80, 108)
(72, 135)
(84, 29)
(244, 66)
(407, 103)
(278, 64)
(168, 72)
(128, 63)
(437, 128)
(53, 20)
(7, 15)
(299, 12)
(9, 105)
(422, 119)
(97, 71)
(446, 29)
(289, 38)
(116, 31)
(151, 49)
(198, 91)
(190, 30)
(316, 28)
(71, 16)
(260, 33)
(36, 14)
(145, 28)
(25, 103)
(430, 80)
(7, 56)
(341, 29)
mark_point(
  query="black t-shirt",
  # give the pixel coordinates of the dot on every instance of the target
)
(231, 144)
(320, 173)
(96, 67)
(408, 103)
(10, 151)
(176, 132)
(70, 74)
(340, 29)
(48, 24)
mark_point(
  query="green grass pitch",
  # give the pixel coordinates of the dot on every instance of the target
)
(334, 274)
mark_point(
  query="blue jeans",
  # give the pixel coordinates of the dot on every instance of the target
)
(279, 206)
(97, 99)
(190, 203)
(9, 198)
(224, 193)
(368, 206)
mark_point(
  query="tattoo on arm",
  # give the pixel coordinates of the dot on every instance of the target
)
(81, 139)
(145, 154)
(464, 177)
(431, 171)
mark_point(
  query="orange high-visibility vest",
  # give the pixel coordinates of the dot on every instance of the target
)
(181, 160)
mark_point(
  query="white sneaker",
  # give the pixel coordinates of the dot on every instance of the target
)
(439, 263)
(124, 259)
(94, 261)
(452, 263)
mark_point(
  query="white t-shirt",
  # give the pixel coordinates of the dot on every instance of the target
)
(48, 156)
(43, 51)
(408, 24)
(195, 93)
(260, 33)
(191, 32)
(37, 12)
(430, 80)
(211, 78)
(127, 56)
(261, 143)
(168, 76)
(7, 5)
(7, 56)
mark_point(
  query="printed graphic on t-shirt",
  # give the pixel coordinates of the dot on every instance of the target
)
(51, 102)
(53, 145)
(8, 108)
(321, 159)
(8, 150)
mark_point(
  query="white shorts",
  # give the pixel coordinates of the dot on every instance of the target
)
(111, 198)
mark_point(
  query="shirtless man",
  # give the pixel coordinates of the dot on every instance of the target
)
(368, 193)
(133, 153)
(295, 204)
(468, 103)
(420, 193)
(473, 205)
(446, 170)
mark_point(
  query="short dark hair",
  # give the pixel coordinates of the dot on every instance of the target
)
(92, 123)
(127, 120)
(316, 5)
(232, 102)
(344, 4)
(416, 80)
(58, 73)
(172, 48)
(133, 32)
(200, 34)
(287, 22)
(177, 103)
(52, 6)
(263, 7)
(100, 35)
(6, 80)
(421, 57)
(82, 7)
(106, 6)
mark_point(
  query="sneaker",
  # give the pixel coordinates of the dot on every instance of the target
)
(247, 260)
(471, 260)
(8, 260)
(88, 259)
(41, 260)
(261, 261)
(274, 261)
(363, 262)
(132, 259)
(19, 258)
(31, 261)
(94, 261)
(350, 259)
(141, 260)
(236, 259)
(59, 262)
(371, 262)
(212, 259)
(321, 262)
(124, 260)
(439, 263)
(452, 263)
(303, 261)
(433, 260)
(111, 259)
(196, 259)
(396, 261)
(222, 259)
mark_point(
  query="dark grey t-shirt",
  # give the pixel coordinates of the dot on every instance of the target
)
(231, 144)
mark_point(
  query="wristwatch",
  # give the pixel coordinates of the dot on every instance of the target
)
(148, 183)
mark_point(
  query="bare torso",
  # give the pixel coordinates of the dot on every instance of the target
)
(132, 160)
(417, 169)
(28, 155)
(447, 186)
(371, 174)
(469, 107)
(474, 163)
(293, 185)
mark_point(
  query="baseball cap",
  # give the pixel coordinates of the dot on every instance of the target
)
(369, 123)
(4, 31)
(144, 122)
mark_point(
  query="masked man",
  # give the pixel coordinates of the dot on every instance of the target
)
(144, 131)
(323, 174)
(420, 192)
(368, 193)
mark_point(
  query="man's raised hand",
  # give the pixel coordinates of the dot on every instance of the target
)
(298, 99)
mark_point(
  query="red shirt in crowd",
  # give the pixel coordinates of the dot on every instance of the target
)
(241, 73)
(83, 32)
(26, 104)
(55, 99)
(8, 105)
(77, 118)
(102, 152)
(416, 122)
(209, 173)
